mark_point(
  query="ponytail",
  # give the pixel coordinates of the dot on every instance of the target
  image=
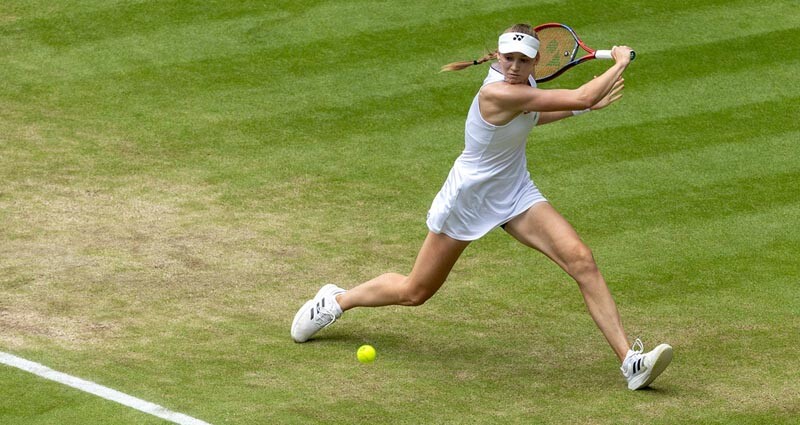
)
(458, 66)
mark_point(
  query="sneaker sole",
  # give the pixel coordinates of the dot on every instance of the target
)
(663, 358)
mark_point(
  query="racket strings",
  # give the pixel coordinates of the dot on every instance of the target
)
(558, 48)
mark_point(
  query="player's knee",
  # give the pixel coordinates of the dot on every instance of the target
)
(415, 295)
(580, 260)
(417, 299)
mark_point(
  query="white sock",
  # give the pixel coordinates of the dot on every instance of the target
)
(337, 309)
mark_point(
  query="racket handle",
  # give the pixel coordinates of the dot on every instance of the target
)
(606, 54)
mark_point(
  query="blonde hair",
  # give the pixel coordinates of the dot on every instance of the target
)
(458, 66)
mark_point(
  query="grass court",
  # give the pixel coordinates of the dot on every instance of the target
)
(177, 177)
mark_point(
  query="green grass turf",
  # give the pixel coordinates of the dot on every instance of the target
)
(176, 177)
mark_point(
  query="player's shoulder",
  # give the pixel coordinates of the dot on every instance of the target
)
(493, 89)
(504, 91)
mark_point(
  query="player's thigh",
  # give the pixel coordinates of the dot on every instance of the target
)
(543, 228)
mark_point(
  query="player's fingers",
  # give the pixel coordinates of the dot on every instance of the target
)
(621, 53)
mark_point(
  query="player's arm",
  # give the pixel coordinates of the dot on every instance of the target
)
(548, 117)
(525, 98)
(612, 96)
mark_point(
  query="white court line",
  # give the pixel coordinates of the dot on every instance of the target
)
(98, 390)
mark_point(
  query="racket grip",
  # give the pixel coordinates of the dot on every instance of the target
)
(606, 54)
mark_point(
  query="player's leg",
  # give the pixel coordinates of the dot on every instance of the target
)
(436, 258)
(543, 228)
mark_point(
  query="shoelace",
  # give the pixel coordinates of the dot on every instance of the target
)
(323, 313)
(638, 343)
(637, 349)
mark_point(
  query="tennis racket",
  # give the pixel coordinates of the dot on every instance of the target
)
(559, 50)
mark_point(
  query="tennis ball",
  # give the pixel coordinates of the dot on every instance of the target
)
(366, 354)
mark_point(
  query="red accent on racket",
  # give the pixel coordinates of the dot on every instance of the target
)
(558, 50)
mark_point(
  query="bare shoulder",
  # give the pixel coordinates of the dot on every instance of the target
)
(490, 91)
(507, 94)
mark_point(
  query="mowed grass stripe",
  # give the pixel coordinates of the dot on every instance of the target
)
(323, 119)
(223, 29)
(336, 63)
(99, 57)
(327, 123)
(117, 21)
(635, 149)
(711, 261)
(213, 30)
(189, 82)
(238, 128)
(760, 170)
(684, 97)
(657, 34)
(708, 57)
(324, 116)
(375, 147)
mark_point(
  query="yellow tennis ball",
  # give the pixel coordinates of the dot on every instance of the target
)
(366, 354)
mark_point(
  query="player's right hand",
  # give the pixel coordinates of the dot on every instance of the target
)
(621, 54)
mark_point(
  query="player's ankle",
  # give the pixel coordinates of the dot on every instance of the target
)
(338, 299)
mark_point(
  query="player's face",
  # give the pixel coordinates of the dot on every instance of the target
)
(516, 67)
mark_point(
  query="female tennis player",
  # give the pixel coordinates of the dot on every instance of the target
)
(489, 186)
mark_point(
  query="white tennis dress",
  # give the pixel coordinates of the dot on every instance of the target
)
(489, 183)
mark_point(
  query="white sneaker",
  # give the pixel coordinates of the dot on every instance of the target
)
(317, 313)
(640, 369)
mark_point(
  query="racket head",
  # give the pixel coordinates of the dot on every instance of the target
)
(558, 51)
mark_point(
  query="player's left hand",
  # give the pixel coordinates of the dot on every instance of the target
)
(614, 95)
